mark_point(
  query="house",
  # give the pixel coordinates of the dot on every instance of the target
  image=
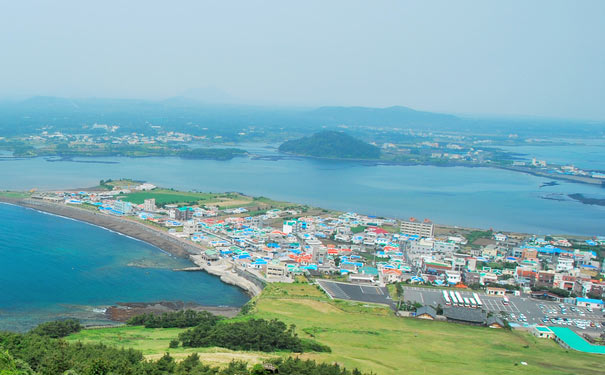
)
(491, 291)
(426, 312)
(465, 315)
(542, 332)
(210, 255)
(495, 322)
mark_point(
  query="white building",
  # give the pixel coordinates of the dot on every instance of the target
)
(423, 246)
(122, 207)
(414, 227)
(444, 247)
(564, 264)
(453, 277)
(149, 205)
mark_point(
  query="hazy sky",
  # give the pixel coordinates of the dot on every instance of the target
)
(525, 57)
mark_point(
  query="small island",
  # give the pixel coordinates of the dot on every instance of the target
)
(332, 145)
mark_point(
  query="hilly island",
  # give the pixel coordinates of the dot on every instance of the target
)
(332, 145)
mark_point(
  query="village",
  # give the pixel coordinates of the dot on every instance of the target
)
(418, 268)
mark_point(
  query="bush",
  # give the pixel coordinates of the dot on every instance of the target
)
(59, 328)
(174, 344)
(177, 319)
(254, 334)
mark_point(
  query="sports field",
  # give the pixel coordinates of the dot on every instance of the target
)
(370, 337)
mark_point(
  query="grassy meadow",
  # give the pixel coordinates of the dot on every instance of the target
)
(370, 337)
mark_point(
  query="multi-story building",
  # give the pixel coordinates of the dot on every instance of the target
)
(545, 278)
(149, 205)
(423, 246)
(444, 247)
(183, 213)
(419, 228)
(564, 264)
(122, 207)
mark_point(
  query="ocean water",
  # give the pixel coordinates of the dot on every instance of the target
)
(587, 154)
(53, 267)
(471, 197)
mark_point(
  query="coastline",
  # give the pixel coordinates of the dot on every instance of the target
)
(155, 237)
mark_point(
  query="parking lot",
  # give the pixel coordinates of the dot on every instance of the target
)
(354, 292)
(521, 311)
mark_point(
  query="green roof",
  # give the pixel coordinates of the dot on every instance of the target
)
(543, 329)
(576, 342)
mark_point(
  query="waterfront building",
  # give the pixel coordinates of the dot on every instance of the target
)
(122, 207)
(149, 205)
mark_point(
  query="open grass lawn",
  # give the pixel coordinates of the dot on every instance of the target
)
(14, 194)
(154, 342)
(163, 196)
(371, 338)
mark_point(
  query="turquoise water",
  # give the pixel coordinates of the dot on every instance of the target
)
(53, 267)
(473, 197)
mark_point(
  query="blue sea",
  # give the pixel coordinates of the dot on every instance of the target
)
(52, 267)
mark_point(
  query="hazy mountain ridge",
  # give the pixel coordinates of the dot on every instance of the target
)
(189, 115)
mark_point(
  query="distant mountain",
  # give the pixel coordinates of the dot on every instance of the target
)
(198, 116)
(391, 116)
(331, 144)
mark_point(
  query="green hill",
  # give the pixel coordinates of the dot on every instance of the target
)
(331, 144)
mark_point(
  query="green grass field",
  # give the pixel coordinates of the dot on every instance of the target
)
(371, 338)
(14, 194)
(164, 196)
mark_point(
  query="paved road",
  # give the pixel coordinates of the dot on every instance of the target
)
(534, 311)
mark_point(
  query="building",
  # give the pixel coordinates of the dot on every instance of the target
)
(494, 322)
(589, 302)
(542, 332)
(465, 315)
(426, 312)
(149, 205)
(183, 213)
(453, 277)
(420, 228)
(564, 264)
(545, 278)
(210, 255)
(276, 271)
(124, 208)
(491, 291)
(445, 247)
(190, 227)
(423, 246)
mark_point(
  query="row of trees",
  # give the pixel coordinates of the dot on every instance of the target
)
(176, 319)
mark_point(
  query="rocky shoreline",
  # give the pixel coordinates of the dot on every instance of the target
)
(156, 237)
(122, 312)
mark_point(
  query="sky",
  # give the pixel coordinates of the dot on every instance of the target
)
(515, 57)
